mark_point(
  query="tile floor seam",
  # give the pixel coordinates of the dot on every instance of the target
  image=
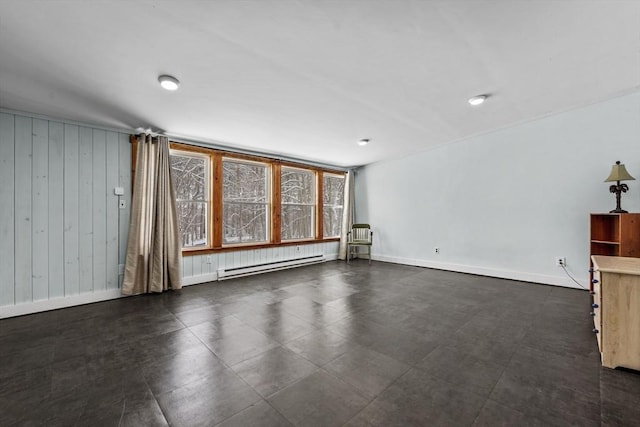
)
(311, 361)
(484, 404)
(155, 398)
(381, 393)
(526, 413)
(335, 378)
(224, 363)
(288, 385)
(409, 367)
(504, 369)
(280, 413)
(239, 361)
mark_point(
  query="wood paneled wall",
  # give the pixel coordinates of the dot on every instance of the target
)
(62, 235)
(61, 231)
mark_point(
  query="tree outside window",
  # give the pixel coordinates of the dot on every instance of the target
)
(245, 202)
(191, 177)
(298, 192)
(332, 204)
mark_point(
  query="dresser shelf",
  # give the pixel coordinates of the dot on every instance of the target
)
(615, 234)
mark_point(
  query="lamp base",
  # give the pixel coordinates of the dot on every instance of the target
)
(618, 211)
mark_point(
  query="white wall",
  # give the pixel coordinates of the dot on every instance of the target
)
(62, 236)
(505, 204)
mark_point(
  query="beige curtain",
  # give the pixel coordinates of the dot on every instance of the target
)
(153, 246)
(347, 213)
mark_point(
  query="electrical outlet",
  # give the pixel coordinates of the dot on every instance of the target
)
(437, 250)
(208, 259)
(561, 261)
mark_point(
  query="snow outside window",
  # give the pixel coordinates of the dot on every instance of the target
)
(298, 191)
(332, 204)
(245, 202)
(191, 178)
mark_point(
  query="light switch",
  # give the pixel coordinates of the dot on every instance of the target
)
(122, 204)
(119, 191)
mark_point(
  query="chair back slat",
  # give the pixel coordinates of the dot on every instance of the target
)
(361, 233)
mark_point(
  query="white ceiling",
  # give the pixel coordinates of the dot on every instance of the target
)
(309, 78)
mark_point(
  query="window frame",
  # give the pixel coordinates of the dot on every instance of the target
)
(215, 198)
(321, 202)
(195, 153)
(313, 203)
(268, 203)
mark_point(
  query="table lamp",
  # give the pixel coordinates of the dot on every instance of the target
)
(618, 173)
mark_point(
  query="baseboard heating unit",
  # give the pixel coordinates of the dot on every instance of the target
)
(228, 273)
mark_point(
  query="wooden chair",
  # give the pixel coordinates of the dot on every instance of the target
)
(359, 235)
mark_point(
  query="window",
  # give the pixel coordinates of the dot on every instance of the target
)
(191, 178)
(298, 191)
(245, 201)
(227, 201)
(332, 204)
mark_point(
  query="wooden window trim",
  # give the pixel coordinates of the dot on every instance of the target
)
(216, 205)
(320, 206)
(276, 204)
(210, 221)
(215, 197)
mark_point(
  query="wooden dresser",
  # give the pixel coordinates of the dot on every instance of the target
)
(616, 310)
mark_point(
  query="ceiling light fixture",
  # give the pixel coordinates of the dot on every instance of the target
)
(477, 100)
(168, 82)
(363, 142)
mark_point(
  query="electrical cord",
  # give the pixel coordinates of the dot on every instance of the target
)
(571, 277)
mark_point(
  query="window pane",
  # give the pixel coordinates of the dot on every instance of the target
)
(189, 177)
(332, 221)
(297, 222)
(244, 182)
(297, 186)
(244, 222)
(245, 202)
(333, 201)
(333, 190)
(192, 222)
(298, 203)
(190, 174)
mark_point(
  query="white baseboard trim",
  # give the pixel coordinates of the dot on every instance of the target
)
(522, 276)
(56, 303)
(202, 278)
(91, 297)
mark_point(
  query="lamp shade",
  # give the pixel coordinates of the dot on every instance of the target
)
(619, 173)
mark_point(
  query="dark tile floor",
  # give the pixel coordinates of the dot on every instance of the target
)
(326, 345)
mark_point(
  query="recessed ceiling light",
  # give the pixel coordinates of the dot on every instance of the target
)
(363, 142)
(477, 100)
(168, 82)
